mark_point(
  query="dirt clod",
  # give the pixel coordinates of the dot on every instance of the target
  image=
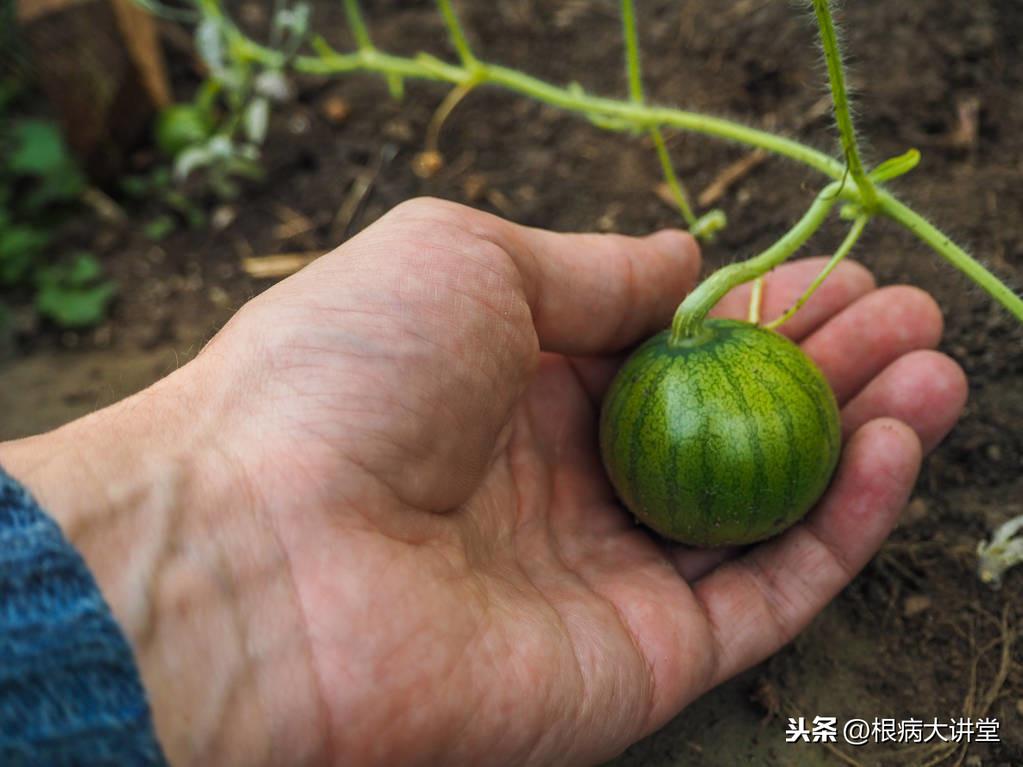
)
(916, 604)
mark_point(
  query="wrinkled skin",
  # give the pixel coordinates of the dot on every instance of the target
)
(383, 534)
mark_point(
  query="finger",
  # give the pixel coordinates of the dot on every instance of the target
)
(693, 563)
(599, 293)
(760, 601)
(595, 375)
(563, 422)
(925, 390)
(862, 340)
(783, 287)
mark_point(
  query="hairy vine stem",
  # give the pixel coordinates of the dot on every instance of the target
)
(358, 26)
(635, 114)
(457, 34)
(632, 68)
(840, 103)
(688, 321)
(843, 250)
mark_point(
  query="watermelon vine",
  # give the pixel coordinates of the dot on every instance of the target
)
(861, 192)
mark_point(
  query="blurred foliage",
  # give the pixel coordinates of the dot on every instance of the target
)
(209, 148)
(175, 207)
(212, 143)
(40, 184)
(74, 293)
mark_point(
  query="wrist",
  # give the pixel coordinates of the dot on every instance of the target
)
(148, 491)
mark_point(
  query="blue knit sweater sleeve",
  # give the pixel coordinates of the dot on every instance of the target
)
(70, 692)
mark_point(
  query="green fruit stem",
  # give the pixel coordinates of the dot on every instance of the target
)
(688, 321)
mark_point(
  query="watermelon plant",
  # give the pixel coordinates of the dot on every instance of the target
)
(713, 432)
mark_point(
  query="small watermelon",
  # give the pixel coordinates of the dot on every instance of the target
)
(725, 438)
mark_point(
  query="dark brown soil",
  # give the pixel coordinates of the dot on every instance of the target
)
(916, 635)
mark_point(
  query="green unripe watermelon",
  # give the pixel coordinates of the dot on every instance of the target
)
(727, 438)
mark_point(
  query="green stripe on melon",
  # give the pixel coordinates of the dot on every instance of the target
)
(725, 439)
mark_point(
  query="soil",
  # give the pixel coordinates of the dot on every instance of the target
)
(916, 634)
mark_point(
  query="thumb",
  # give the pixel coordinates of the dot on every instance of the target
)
(596, 294)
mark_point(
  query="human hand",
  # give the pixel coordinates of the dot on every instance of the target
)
(369, 523)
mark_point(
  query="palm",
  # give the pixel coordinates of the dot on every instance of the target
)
(536, 601)
(455, 547)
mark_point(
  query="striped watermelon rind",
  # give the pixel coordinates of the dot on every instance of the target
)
(728, 438)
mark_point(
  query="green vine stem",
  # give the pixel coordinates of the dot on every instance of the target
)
(687, 324)
(639, 116)
(632, 68)
(457, 34)
(840, 103)
(959, 258)
(631, 36)
(704, 229)
(358, 25)
(843, 250)
(572, 99)
(678, 192)
(364, 43)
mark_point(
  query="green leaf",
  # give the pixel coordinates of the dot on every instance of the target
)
(38, 151)
(20, 238)
(709, 224)
(195, 218)
(20, 246)
(10, 89)
(79, 272)
(135, 186)
(63, 184)
(72, 294)
(894, 167)
(38, 148)
(161, 177)
(159, 227)
(75, 307)
(84, 269)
